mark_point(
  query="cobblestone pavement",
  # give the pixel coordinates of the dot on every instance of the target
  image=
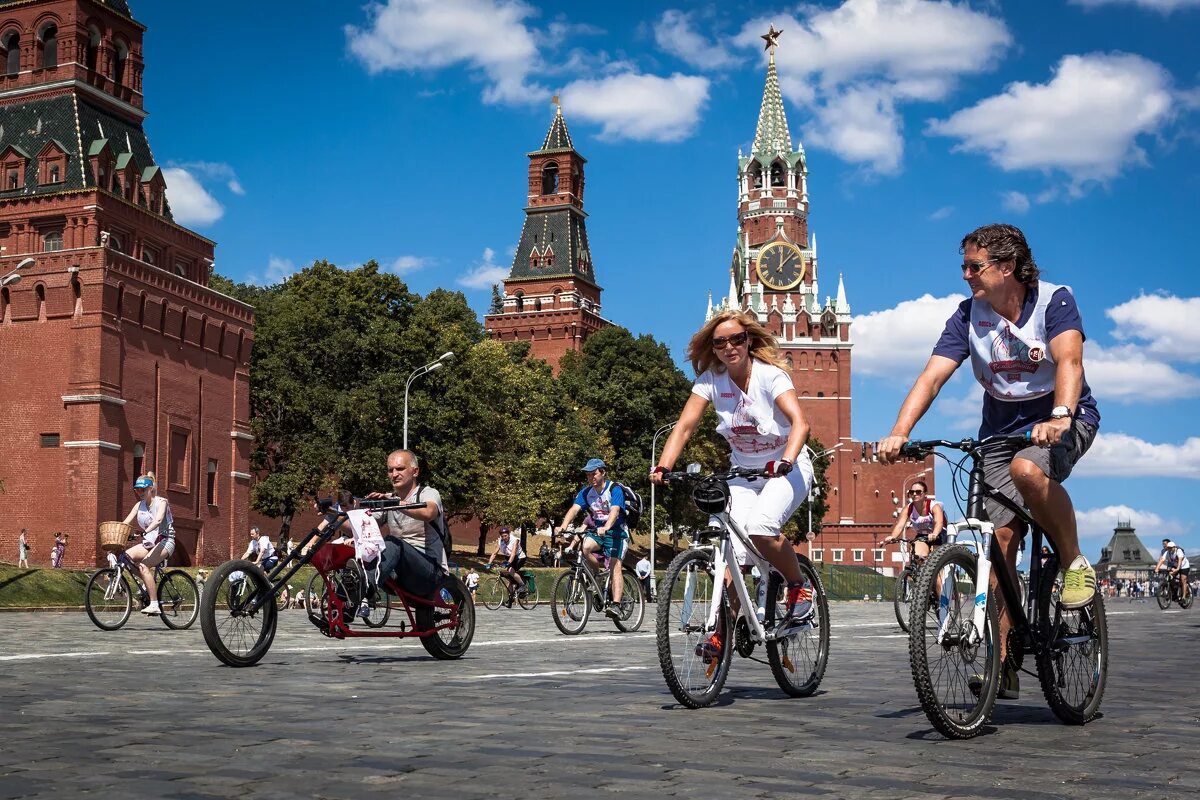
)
(530, 713)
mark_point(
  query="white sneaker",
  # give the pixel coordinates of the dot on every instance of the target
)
(152, 610)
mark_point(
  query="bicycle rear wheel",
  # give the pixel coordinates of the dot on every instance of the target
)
(529, 600)
(569, 603)
(450, 642)
(684, 603)
(798, 661)
(902, 601)
(633, 604)
(955, 668)
(493, 592)
(108, 601)
(1072, 664)
(179, 599)
(236, 636)
(1186, 602)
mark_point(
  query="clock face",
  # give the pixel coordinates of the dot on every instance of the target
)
(780, 266)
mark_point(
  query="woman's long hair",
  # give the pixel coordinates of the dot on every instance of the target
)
(152, 490)
(762, 344)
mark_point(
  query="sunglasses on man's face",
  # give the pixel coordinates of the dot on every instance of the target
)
(737, 340)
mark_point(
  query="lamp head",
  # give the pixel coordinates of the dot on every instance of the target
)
(446, 356)
(25, 262)
(434, 366)
(10, 279)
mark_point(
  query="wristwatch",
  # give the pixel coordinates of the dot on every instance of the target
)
(1060, 412)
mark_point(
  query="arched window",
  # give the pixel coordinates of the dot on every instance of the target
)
(550, 178)
(4, 304)
(520, 301)
(93, 48)
(139, 458)
(120, 300)
(142, 309)
(77, 292)
(51, 241)
(119, 63)
(50, 46)
(41, 301)
(778, 174)
(114, 241)
(11, 44)
(537, 304)
(756, 176)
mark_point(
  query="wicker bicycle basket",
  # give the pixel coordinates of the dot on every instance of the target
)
(114, 536)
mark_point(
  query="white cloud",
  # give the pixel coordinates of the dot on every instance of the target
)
(1165, 6)
(487, 35)
(485, 273)
(1084, 122)
(406, 264)
(962, 413)
(1098, 523)
(1130, 374)
(190, 203)
(1167, 322)
(235, 186)
(1122, 455)
(898, 341)
(675, 33)
(854, 63)
(639, 107)
(1016, 202)
(942, 213)
(215, 171)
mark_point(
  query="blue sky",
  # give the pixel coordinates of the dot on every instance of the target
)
(397, 131)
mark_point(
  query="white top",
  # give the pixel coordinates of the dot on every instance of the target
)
(643, 568)
(1176, 558)
(921, 519)
(145, 517)
(472, 580)
(513, 539)
(422, 535)
(262, 544)
(1013, 363)
(756, 429)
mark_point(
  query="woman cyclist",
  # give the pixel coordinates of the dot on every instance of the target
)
(153, 516)
(744, 377)
(925, 516)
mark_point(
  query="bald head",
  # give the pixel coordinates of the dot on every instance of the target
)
(403, 466)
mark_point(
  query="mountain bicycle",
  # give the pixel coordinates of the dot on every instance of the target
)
(954, 624)
(579, 591)
(108, 597)
(1171, 588)
(496, 590)
(903, 590)
(703, 592)
(239, 617)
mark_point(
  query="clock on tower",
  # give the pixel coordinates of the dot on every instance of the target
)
(780, 266)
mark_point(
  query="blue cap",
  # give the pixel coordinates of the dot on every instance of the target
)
(143, 483)
(595, 463)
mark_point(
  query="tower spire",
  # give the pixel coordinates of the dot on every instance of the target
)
(772, 136)
(557, 138)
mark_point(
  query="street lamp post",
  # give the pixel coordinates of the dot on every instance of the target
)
(14, 275)
(416, 373)
(653, 534)
(816, 490)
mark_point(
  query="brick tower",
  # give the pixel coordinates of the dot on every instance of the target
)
(551, 298)
(774, 275)
(116, 356)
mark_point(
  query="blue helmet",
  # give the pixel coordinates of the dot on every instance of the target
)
(143, 482)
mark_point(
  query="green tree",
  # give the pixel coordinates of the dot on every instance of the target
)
(497, 304)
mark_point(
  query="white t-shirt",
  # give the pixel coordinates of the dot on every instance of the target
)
(145, 517)
(472, 580)
(513, 540)
(643, 568)
(1176, 559)
(262, 544)
(757, 431)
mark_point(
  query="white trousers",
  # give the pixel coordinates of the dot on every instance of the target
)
(761, 507)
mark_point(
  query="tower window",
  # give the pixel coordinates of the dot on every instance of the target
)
(210, 489)
(50, 47)
(50, 439)
(52, 241)
(139, 458)
(11, 178)
(119, 63)
(550, 178)
(12, 53)
(777, 174)
(55, 173)
(93, 48)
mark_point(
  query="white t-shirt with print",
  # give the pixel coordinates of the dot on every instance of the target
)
(757, 431)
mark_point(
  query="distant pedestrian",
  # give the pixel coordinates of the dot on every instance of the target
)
(60, 549)
(472, 582)
(201, 577)
(643, 570)
(23, 550)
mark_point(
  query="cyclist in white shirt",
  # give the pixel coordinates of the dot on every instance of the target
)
(260, 550)
(153, 515)
(509, 548)
(1177, 563)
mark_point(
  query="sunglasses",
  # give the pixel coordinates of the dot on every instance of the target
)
(737, 340)
(973, 268)
(916, 491)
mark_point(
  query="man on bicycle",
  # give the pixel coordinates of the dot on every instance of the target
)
(509, 548)
(1025, 339)
(260, 550)
(413, 549)
(1177, 564)
(606, 506)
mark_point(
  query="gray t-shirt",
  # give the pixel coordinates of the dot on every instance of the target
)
(421, 535)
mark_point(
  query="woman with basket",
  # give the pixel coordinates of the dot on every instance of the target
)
(153, 515)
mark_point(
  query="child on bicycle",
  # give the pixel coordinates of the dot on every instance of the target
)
(153, 515)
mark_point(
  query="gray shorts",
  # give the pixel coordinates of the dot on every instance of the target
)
(1056, 462)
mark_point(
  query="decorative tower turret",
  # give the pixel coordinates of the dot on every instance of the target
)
(551, 298)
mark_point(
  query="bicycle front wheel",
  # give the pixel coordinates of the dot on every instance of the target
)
(694, 673)
(569, 603)
(179, 599)
(381, 611)
(493, 592)
(447, 641)
(108, 600)
(1186, 602)
(902, 601)
(798, 660)
(1072, 665)
(1164, 596)
(956, 668)
(236, 635)
(633, 604)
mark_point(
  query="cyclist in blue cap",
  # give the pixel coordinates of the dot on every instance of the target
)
(153, 515)
(605, 502)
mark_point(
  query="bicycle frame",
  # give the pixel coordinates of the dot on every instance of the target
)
(724, 557)
(327, 560)
(126, 564)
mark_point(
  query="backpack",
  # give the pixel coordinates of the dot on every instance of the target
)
(443, 529)
(633, 506)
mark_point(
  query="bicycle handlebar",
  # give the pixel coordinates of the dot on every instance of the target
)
(920, 448)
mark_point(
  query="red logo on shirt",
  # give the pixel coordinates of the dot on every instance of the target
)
(727, 394)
